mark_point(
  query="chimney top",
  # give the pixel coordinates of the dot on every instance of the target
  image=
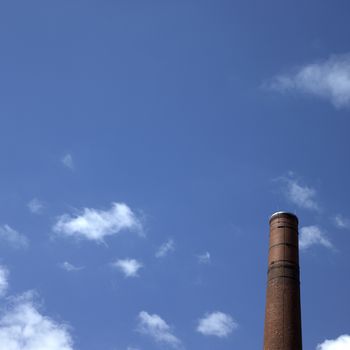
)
(283, 213)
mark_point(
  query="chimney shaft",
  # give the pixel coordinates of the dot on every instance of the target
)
(283, 312)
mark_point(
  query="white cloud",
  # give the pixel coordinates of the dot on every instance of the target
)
(204, 258)
(70, 267)
(300, 195)
(4, 284)
(341, 222)
(217, 324)
(313, 235)
(165, 248)
(95, 224)
(129, 267)
(67, 161)
(155, 327)
(341, 343)
(12, 237)
(23, 327)
(328, 79)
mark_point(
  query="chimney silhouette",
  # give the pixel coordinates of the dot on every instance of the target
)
(283, 311)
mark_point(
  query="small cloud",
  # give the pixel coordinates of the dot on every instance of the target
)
(67, 161)
(328, 79)
(341, 343)
(155, 327)
(341, 222)
(36, 206)
(165, 249)
(95, 225)
(313, 235)
(301, 195)
(217, 324)
(12, 237)
(24, 327)
(4, 273)
(129, 267)
(70, 267)
(204, 258)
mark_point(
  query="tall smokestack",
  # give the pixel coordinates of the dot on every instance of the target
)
(283, 313)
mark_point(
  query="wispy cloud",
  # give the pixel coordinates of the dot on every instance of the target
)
(155, 327)
(4, 284)
(95, 225)
(342, 222)
(217, 324)
(70, 267)
(165, 249)
(328, 79)
(301, 195)
(23, 327)
(204, 258)
(129, 267)
(12, 237)
(36, 206)
(313, 235)
(341, 343)
(67, 161)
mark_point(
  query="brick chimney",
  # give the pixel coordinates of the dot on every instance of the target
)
(283, 311)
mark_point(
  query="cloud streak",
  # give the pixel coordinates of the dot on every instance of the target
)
(341, 222)
(4, 284)
(95, 225)
(165, 249)
(328, 79)
(156, 328)
(12, 237)
(70, 267)
(301, 195)
(313, 235)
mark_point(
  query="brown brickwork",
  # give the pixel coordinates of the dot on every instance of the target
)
(283, 314)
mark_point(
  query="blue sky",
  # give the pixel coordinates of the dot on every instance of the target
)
(144, 145)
